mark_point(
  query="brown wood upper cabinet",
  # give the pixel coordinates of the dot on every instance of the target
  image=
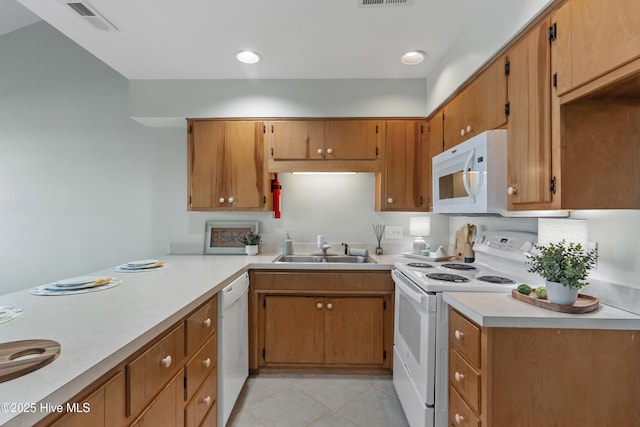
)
(226, 167)
(531, 185)
(479, 107)
(405, 183)
(595, 37)
(324, 145)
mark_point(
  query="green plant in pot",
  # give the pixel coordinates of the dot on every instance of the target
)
(564, 266)
(251, 241)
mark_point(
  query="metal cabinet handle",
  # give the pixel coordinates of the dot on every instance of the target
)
(459, 419)
(207, 362)
(329, 151)
(166, 361)
(319, 305)
(231, 200)
(319, 150)
(221, 199)
(512, 190)
(390, 200)
(458, 376)
(329, 306)
(458, 334)
(207, 400)
(207, 322)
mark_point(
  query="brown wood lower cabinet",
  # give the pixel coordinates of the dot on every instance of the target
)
(172, 381)
(321, 320)
(528, 377)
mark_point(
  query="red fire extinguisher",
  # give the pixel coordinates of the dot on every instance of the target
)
(275, 189)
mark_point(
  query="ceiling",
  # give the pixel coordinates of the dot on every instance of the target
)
(298, 39)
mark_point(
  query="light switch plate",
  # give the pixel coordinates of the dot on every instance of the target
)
(393, 232)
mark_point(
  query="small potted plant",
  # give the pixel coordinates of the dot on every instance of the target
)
(251, 241)
(564, 266)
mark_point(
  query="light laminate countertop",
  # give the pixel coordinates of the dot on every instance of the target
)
(99, 330)
(501, 310)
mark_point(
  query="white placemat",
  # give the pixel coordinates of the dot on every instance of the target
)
(50, 289)
(8, 312)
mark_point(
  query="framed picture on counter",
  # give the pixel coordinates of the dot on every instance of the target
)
(223, 237)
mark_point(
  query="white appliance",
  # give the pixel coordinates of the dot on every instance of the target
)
(420, 346)
(472, 176)
(233, 344)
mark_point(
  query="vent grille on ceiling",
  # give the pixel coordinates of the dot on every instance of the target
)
(374, 3)
(90, 15)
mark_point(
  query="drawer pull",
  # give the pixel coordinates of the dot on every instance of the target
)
(458, 334)
(207, 362)
(207, 400)
(459, 419)
(207, 323)
(319, 305)
(166, 362)
(329, 306)
(458, 376)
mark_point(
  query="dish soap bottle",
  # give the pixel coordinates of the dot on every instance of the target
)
(287, 246)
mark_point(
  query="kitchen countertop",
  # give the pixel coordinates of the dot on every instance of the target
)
(501, 310)
(99, 330)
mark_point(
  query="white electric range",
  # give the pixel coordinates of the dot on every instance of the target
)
(421, 321)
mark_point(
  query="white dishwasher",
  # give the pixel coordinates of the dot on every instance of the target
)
(233, 344)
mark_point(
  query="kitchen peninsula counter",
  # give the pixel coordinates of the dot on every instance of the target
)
(99, 330)
(501, 310)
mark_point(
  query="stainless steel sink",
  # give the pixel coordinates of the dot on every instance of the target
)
(348, 259)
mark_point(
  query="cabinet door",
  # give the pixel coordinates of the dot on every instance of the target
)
(404, 143)
(529, 132)
(352, 139)
(604, 35)
(354, 330)
(166, 410)
(245, 174)
(455, 120)
(296, 140)
(486, 98)
(294, 329)
(207, 162)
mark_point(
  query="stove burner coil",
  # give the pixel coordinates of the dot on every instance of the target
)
(495, 279)
(461, 267)
(447, 277)
(419, 265)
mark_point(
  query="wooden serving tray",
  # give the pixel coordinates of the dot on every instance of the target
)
(584, 304)
(18, 358)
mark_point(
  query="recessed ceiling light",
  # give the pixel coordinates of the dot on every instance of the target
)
(413, 57)
(247, 57)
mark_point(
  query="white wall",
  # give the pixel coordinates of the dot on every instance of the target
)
(77, 176)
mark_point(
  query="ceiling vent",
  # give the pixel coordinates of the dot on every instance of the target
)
(90, 15)
(378, 3)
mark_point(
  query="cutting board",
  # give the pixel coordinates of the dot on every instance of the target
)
(18, 358)
(584, 304)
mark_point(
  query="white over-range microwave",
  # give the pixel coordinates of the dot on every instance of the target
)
(471, 178)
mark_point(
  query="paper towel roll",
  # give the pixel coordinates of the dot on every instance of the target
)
(358, 252)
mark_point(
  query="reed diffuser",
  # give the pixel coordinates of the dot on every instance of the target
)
(378, 229)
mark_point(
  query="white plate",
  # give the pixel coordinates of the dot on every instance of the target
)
(56, 286)
(141, 263)
(76, 281)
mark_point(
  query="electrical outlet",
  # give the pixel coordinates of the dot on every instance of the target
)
(393, 232)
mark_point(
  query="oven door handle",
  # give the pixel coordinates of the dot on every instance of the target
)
(465, 176)
(399, 279)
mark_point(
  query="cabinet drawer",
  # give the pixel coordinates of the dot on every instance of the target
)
(154, 368)
(464, 379)
(205, 400)
(465, 336)
(460, 415)
(201, 365)
(201, 324)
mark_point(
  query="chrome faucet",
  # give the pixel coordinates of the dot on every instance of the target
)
(325, 248)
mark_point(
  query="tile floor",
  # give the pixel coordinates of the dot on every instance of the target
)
(292, 400)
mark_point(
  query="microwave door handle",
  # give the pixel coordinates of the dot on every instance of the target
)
(465, 176)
